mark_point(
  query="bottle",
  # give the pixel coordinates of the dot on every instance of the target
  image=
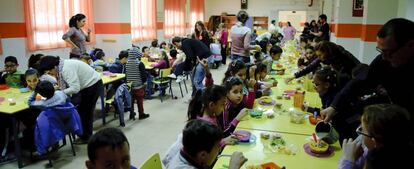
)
(298, 99)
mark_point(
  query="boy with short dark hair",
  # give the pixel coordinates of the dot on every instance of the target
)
(201, 145)
(108, 147)
(13, 77)
(119, 65)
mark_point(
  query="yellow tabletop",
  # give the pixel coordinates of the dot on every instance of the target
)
(260, 152)
(109, 79)
(17, 96)
(147, 63)
(281, 121)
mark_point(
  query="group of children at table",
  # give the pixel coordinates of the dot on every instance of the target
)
(215, 111)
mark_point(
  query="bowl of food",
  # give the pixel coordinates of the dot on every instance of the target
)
(318, 147)
(297, 117)
(242, 135)
(266, 101)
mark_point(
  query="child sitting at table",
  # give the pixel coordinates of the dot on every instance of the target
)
(326, 84)
(119, 65)
(108, 147)
(236, 104)
(275, 52)
(32, 78)
(173, 57)
(100, 63)
(163, 63)
(57, 117)
(146, 54)
(201, 146)
(12, 77)
(383, 126)
(206, 105)
(238, 69)
(308, 58)
(86, 58)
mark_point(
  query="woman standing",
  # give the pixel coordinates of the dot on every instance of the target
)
(240, 39)
(76, 37)
(79, 80)
(201, 33)
(289, 32)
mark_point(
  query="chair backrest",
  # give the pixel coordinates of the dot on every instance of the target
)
(165, 72)
(154, 162)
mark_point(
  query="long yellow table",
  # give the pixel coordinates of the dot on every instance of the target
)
(20, 99)
(108, 79)
(259, 152)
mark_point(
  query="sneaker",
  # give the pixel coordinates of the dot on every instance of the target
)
(172, 75)
(180, 79)
(143, 116)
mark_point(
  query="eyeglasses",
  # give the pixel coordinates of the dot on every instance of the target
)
(359, 132)
(10, 66)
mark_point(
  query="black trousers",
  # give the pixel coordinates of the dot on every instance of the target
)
(224, 54)
(86, 107)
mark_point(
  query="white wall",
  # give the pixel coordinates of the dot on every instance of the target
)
(406, 9)
(11, 11)
(268, 8)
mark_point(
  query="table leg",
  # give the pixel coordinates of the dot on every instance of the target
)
(102, 96)
(18, 151)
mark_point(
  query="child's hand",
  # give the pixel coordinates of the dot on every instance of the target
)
(237, 160)
(230, 140)
(252, 69)
(242, 114)
(352, 149)
(251, 83)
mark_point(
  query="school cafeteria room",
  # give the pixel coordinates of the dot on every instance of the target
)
(206, 84)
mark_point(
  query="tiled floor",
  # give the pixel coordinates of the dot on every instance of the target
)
(146, 137)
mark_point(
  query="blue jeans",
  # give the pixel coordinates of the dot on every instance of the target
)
(245, 59)
(179, 69)
(199, 74)
(148, 87)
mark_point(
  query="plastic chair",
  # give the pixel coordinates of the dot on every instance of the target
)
(154, 162)
(163, 81)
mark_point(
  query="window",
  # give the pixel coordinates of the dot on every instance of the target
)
(174, 18)
(143, 20)
(48, 20)
(196, 11)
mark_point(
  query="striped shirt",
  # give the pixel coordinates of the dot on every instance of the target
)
(132, 67)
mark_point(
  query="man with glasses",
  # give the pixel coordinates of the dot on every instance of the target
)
(392, 69)
(13, 78)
